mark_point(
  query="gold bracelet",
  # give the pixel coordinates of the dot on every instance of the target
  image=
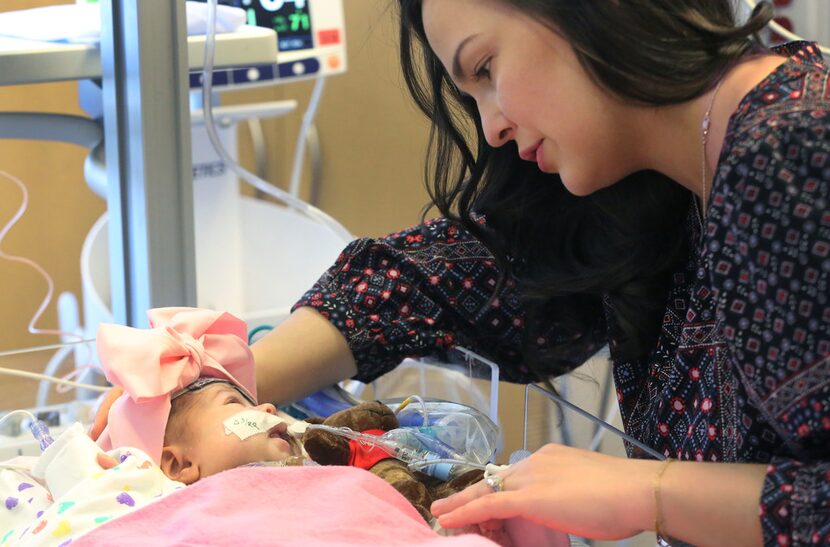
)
(658, 504)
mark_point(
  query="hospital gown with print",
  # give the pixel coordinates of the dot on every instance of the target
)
(57, 501)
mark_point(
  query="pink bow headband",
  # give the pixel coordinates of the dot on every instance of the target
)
(181, 346)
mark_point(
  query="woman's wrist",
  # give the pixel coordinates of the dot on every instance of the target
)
(659, 518)
(682, 505)
(640, 509)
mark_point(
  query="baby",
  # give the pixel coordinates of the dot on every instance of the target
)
(189, 395)
(197, 442)
(186, 410)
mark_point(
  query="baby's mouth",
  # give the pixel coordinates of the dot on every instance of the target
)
(280, 431)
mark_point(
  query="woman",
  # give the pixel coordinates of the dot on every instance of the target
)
(733, 370)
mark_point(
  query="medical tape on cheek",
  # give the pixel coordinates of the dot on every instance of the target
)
(249, 423)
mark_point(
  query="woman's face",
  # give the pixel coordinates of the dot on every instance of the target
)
(530, 88)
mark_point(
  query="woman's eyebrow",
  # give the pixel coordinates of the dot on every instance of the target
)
(457, 72)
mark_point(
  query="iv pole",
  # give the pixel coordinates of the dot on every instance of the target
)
(148, 156)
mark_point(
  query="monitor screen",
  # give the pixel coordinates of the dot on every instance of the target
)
(289, 18)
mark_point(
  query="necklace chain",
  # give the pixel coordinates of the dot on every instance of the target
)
(704, 138)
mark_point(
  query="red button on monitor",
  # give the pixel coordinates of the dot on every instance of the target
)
(328, 37)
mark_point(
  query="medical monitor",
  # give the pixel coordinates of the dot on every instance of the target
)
(311, 41)
(290, 20)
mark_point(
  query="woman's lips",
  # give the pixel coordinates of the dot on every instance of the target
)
(532, 153)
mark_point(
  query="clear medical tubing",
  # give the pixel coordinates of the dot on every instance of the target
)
(40, 431)
(247, 176)
(783, 31)
(468, 431)
(411, 447)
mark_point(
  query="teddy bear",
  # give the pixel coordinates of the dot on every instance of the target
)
(374, 417)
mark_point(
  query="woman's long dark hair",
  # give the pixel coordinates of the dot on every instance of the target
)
(620, 244)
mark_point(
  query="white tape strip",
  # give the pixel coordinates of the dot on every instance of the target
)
(493, 469)
(250, 422)
(297, 429)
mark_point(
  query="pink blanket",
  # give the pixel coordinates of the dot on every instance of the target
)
(308, 506)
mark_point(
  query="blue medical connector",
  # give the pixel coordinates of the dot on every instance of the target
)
(41, 433)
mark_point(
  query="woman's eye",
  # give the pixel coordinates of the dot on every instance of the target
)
(483, 70)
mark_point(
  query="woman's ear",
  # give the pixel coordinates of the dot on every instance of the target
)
(176, 464)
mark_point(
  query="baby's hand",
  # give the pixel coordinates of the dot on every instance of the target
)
(105, 461)
(103, 412)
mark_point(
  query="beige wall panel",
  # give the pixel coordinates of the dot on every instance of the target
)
(60, 212)
(372, 138)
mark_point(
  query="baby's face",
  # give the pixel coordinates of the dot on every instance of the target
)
(208, 446)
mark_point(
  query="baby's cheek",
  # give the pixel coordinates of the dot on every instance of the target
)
(263, 452)
(284, 451)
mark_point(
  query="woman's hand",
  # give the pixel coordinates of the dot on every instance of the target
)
(518, 532)
(566, 489)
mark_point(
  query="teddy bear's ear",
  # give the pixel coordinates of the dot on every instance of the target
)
(315, 420)
(364, 416)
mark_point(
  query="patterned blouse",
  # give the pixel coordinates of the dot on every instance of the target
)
(741, 372)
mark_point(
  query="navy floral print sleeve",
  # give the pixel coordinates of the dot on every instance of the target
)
(741, 371)
(768, 234)
(419, 292)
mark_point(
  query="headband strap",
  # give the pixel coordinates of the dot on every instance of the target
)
(203, 382)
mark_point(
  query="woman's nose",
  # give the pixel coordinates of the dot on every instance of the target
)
(498, 130)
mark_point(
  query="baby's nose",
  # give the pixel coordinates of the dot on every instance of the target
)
(267, 407)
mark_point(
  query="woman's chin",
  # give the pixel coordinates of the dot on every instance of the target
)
(580, 186)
